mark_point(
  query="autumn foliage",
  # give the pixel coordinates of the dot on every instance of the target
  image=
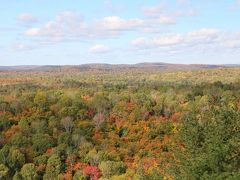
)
(119, 125)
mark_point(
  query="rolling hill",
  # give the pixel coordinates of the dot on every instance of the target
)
(115, 67)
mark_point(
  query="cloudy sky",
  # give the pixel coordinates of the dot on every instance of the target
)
(127, 31)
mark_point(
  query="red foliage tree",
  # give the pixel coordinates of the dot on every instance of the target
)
(92, 171)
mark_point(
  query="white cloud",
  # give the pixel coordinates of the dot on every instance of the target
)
(116, 23)
(204, 32)
(165, 20)
(158, 16)
(167, 40)
(71, 26)
(99, 48)
(231, 40)
(186, 13)
(66, 24)
(202, 36)
(163, 9)
(141, 42)
(205, 39)
(33, 32)
(154, 10)
(26, 19)
(202, 43)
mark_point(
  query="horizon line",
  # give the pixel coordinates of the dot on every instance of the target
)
(229, 64)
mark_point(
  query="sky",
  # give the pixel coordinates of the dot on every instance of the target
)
(72, 32)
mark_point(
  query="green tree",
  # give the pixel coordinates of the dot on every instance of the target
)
(28, 171)
(17, 176)
(111, 168)
(4, 122)
(101, 103)
(79, 176)
(41, 142)
(3, 154)
(3, 171)
(53, 168)
(41, 100)
(18, 140)
(211, 145)
(15, 159)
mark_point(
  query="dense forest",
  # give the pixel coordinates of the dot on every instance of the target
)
(127, 124)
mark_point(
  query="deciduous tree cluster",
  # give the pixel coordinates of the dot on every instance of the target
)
(132, 129)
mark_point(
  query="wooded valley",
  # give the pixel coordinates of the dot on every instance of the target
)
(132, 123)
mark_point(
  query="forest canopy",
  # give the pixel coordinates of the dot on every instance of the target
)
(120, 124)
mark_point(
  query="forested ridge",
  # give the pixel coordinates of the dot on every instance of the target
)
(127, 124)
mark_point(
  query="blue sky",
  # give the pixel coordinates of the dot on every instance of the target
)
(40, 32)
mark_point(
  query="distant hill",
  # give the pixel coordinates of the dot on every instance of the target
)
(113, 67)
(27, 68)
